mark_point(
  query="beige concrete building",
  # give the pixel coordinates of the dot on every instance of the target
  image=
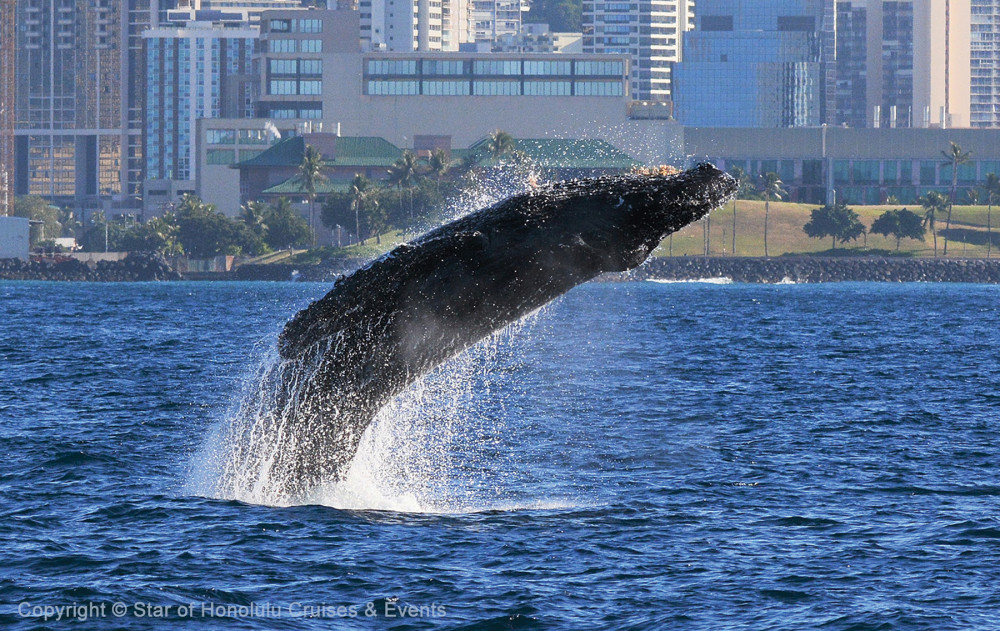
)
(941, 58)
(909, 63)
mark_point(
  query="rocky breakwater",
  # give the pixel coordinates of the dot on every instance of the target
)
(817, 270)
(135, 267)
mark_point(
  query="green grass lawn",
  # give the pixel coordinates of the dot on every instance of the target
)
(785, 234)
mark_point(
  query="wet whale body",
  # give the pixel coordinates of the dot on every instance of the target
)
(384, 326)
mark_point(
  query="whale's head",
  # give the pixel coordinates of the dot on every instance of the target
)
(622, 219)
(667, 203)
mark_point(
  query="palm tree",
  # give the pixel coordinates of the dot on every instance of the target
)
(360, 192)
(772, 187)
(439, 165)
(740, 176)
(991, 190)
(310, 175)
(933, 202)
(403, 173)
(500, 144)
(254, 215)
(954, 156)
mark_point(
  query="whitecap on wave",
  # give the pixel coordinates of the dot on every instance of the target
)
(718, 280)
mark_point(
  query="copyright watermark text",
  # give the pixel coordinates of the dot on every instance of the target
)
(385, 608)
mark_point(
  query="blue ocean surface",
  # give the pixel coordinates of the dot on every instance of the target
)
(634, 456)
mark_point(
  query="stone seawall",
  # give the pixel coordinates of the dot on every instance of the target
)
(134, 267)
(816, 270)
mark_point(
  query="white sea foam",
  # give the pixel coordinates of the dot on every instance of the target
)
(719, 280)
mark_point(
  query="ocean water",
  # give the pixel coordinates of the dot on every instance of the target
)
(634, 456)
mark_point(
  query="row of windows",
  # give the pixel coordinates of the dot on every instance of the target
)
(288, 112)
(310, 25)
(494, 88)
(509, 67)
(295, 45)
(311, 67)
(291, 86)
(232, 136)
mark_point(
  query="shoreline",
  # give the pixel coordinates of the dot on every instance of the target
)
(756, 270)
(808, 269)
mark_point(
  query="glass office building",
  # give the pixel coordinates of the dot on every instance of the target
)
(78, 107)
(750, 64)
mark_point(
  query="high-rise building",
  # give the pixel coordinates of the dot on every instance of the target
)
(906, 63)
(494, 19)
(8, 72)
(195, 69)
(753, 64)
(79, 101)
(650, 32)
(406, 25)
(984, 106)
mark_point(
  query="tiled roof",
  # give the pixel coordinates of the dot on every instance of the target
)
(287, 152)
(293, 186)
(364, 151)
(350, 151)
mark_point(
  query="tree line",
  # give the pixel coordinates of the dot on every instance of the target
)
(413, 190)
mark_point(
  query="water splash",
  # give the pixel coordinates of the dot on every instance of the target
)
(441, 446)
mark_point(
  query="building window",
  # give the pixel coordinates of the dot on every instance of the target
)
(392, 67)
(546, 67)
(220, 136)
(311, 67)
(311, 46)
(446, 88)
(310, 26)
(281, 45)
(598, 88)
(547, 88)
(496, 88)
(249, 154)
(221, 156)
(282, 66)
(507, 67)
(443, 67)
(599, 68)
(393, 88)
(310, 87)
(280, 26)
(252, 136)
(277, 86)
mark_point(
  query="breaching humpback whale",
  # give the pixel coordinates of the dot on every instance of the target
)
(385, 325)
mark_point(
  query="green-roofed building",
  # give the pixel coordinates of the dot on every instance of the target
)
(274, 172)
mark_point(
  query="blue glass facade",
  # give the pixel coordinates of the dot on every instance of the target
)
(191, 74)
(754, 64)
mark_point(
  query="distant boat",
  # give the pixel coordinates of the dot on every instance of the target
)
(295, 275)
